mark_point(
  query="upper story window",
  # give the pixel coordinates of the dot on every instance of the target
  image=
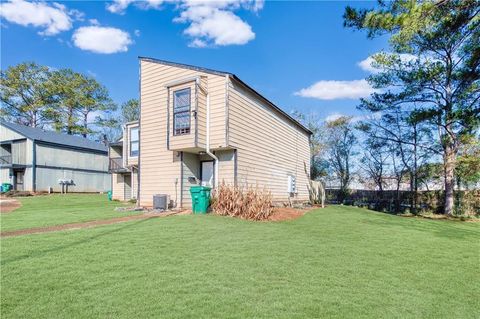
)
(181, 112)
(134, 143)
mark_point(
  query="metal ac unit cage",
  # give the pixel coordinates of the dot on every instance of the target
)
(160, 201)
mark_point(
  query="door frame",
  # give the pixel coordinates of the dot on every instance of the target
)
(15, 180)
(213, 173)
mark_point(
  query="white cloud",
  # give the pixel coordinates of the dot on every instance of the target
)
(52, 18)
(368, 63)
(333, 116)
(94, 22)
(137, 33)
(119, 6)
(78, 15)
(197, 43)
(354, 118)
(332, 90)
(220, 27)
(210, 22)
(104, 40)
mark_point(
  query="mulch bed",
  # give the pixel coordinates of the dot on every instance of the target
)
(287, 213)
(8, 205)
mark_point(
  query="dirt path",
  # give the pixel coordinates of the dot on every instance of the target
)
(93, 223)
(8, 205)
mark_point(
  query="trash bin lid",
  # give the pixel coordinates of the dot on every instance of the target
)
(195, 189)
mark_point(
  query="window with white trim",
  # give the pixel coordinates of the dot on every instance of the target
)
(181, 112)
(134, 142)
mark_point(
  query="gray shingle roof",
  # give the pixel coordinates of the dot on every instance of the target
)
(54, 137)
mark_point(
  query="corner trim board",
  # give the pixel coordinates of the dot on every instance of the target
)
(34, 165)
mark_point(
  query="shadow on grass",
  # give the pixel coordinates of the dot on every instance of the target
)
(41, 253)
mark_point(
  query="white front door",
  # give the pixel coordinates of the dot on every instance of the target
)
(207, 174)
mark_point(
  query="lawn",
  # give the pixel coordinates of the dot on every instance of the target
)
(337, 262)
(58, 209)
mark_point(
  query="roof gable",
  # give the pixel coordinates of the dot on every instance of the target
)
(233, 76)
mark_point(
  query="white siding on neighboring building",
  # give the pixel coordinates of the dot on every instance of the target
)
(84, 181)
(7, 134)
(68, 158)
(5, 176)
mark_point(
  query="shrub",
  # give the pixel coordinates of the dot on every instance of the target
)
(247, 203)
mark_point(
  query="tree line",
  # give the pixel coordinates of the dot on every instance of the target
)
(62, 100)
(423, 120)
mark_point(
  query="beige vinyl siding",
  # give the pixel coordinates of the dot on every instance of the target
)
(115, 151)
(216, 89)
(117, 187)
(226, 166)
(269, 146)
(202, 114)
(160, 168)
(134, 184)
(191, 167)
(127, 184)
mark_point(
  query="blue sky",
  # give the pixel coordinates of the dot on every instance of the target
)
(278, 48)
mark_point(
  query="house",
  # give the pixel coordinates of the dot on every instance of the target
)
(202, 126)
(123, 163)
(32, 159)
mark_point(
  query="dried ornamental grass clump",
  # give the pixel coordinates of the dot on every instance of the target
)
(247, 203)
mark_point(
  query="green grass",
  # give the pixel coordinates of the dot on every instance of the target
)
(338, 262)
(57, 209)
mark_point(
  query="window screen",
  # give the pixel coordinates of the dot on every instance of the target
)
(181, 112)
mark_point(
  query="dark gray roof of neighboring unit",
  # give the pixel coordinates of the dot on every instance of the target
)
(54, 137)
(217, 72)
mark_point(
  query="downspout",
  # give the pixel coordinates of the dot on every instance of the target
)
(125, 140)
(207, 148)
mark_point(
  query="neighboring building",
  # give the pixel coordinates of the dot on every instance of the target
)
(201, 126)
(33, 159)
(123, 163)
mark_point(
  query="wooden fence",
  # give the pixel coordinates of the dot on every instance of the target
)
(466, 202)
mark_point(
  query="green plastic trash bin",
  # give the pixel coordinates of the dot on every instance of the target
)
(6, 187)
(200, 199)
(109, 194)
